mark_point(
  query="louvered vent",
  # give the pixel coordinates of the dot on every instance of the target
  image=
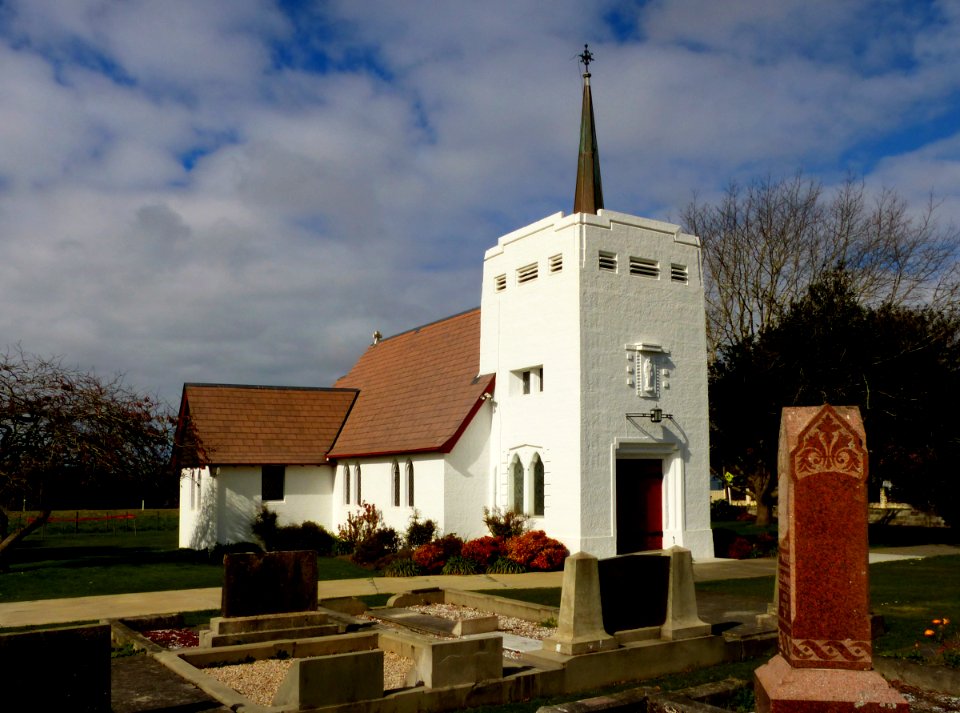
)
(556, 263)
(678, 273)
(644, 267)
(527, 273)
(500, 283)
(608, 261)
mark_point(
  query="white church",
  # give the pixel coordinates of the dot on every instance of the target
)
(576, 393)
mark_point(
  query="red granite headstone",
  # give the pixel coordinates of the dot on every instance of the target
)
(825, 658)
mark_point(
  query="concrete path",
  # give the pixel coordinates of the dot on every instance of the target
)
(59, 611)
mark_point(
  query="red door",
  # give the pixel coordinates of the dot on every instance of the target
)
(639, 505)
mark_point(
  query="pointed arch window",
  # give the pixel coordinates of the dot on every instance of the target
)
(346, 484)
(516, 485)
(356, 473)
(395, 487)
(539, 490)
(409, 469)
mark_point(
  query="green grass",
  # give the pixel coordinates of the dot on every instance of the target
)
(752, 588)
(93, 564)
(909, 594)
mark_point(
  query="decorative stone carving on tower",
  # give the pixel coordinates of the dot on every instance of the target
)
(825, 657)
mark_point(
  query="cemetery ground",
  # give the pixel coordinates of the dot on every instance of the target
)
(910, 594)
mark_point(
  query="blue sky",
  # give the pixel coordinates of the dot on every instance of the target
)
(244, 191)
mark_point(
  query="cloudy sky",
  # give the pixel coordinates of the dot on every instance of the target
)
(242, 191)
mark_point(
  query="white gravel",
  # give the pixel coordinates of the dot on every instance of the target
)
(509, 624)
(259, 681)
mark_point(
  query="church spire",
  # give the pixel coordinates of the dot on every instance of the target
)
(589, 192)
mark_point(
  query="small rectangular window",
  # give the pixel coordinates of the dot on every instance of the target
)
(526, 381)
(527, 273)
(271, 482)
(608, 261)
(540, 378)
(500, 282)
(644, 267)
(678, 273)
(556, 263)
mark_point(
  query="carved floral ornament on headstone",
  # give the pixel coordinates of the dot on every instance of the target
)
(827, 445)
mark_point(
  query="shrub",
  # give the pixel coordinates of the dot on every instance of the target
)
(360, 525)
(403, 567)
(265, 527)
(305, 536)
(503, 565)
(432, 556)
(504, 524)
(537, 551)
(419, 533)
(459, 565)
(376, 546)
(740, 548)
(484, 551)
(723, 511)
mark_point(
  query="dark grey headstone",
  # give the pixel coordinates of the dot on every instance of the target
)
(57, 669)
(633, 591)
(269, 583)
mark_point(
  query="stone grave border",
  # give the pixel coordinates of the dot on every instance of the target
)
(535, 674)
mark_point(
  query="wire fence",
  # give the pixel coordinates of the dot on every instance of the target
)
(95, 522)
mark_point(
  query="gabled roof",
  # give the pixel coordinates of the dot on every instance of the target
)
(263, 424)
(418, 390)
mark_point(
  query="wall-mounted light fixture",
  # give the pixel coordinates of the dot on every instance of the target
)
(656, 415)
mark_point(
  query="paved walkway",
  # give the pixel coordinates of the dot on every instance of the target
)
(59, 611)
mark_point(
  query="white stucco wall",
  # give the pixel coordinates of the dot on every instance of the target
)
(218, 506)
(581, 324)
(377, 489)
(466, 479)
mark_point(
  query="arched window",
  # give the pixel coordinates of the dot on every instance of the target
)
(516, 482)
(356, 472)
(396, 484)
(409, 468)
(538, 486)
(346, 484)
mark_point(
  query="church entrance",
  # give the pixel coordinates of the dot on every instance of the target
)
(639, 483)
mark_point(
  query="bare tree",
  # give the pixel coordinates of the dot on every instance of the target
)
(765, 243)
(63, 430)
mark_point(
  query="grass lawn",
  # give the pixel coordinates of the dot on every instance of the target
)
(78, 565)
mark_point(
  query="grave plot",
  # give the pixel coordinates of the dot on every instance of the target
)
(259, 681)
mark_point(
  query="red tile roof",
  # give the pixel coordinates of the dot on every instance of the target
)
(265, 424)
(418, 390)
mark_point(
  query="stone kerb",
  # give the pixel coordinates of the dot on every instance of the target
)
(332, 680)
(470, 659)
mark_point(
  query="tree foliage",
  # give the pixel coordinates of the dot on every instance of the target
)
(67, 435)
(899, 364)
(764, 244)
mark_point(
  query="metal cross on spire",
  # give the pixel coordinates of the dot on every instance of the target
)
(586, 57)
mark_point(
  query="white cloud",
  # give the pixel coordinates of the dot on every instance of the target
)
(218, 192)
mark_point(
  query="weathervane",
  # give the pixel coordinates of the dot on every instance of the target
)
(586, 57)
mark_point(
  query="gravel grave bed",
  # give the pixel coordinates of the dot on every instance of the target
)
(509, 624)
(260, 680)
